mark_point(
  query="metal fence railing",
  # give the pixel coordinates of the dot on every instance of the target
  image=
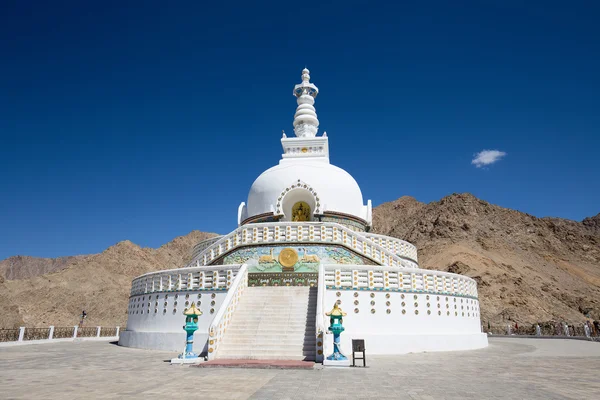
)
(36, 333)
(108, 332)
(87, 331)
(9, 335)
(24, 334)
(64, 332)
(556, 329)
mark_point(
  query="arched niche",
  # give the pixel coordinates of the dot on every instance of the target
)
(296, 198)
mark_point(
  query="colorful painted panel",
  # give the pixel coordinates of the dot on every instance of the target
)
(292, 258)
(283, 279)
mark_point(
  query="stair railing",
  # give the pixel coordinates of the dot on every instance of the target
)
(319, 318)
(222, 319)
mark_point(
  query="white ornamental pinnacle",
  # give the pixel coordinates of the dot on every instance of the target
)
(306, 123)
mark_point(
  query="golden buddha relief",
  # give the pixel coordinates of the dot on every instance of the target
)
(300, 212)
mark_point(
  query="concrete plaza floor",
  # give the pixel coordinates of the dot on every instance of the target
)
(509, 368)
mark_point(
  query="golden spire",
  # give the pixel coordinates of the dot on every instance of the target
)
(336, 312)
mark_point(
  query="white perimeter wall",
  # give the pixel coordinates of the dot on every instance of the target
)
(156, 320)
(443, 322)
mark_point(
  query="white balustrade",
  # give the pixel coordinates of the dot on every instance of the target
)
(396, 246)
(219, 325)
(320, 316)
(373, 277)
(194, 278)
(199, 247)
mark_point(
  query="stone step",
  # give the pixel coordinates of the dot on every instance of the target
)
(265, 356)
(272, 323)
(274, 308)
(272, 317)
(278, 319)
(262, 343)
(270, 294)
(254, 350)
(279, 304)
(271, 338)
(275, 311)
(273, 348)
(287, 311)
(275, 344)
(290, 313)
(300, 328)
(274, 292)
(270, 331)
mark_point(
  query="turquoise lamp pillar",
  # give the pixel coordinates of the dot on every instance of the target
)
(191, 326)
(336, 328)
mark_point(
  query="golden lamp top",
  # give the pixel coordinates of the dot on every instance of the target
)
(336, 312)
(193, 310)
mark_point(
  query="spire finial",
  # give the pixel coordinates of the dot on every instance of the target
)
(306, 123)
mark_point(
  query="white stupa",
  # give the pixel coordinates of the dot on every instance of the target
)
(302, 245)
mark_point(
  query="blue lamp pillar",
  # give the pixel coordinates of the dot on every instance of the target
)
(335, 327)
(191, 326)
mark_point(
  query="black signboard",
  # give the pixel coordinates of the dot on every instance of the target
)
(358, 346)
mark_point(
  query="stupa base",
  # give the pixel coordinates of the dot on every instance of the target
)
(336, 363)
(195, 360)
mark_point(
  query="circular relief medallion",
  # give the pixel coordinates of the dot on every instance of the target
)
(288, 257)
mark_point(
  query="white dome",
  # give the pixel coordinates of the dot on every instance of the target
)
(323, 186)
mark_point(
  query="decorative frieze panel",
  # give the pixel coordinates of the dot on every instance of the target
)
(310, 232)
(300, 259)
(282, 279)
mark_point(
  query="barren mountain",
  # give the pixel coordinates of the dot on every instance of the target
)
(98, 283)
(23, 267)
(529, 269)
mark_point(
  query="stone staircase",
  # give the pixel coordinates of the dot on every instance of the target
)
(273, 322)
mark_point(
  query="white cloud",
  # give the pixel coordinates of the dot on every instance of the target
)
(487, 157)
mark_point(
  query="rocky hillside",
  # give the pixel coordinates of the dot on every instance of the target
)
(98, 283)
(24, 267)
(529, 269)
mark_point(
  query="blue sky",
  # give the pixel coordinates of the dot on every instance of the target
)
(144, 120)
